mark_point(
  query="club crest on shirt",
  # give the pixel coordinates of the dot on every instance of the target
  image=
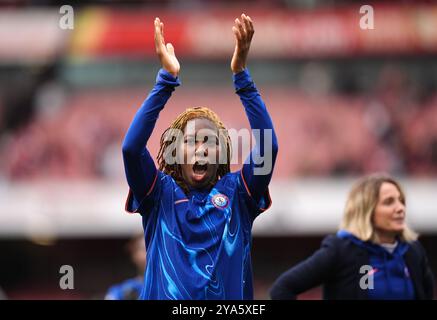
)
(220, 201)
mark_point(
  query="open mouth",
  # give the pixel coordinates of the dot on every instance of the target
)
(200, 168)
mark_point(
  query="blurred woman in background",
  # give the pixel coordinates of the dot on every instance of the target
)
(374, 255)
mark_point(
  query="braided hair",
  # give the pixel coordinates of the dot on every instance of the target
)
(172, 134)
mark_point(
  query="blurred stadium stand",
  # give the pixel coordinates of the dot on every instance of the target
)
(344, 102)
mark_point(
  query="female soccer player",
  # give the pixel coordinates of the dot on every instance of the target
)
(374, 255)
(197, 216)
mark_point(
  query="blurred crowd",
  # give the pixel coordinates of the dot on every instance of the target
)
(197, 4)
(326, 127)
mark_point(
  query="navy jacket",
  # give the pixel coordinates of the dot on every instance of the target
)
(336, 266)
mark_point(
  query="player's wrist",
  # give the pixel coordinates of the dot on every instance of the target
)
(237, 68)
(171, 71)
(237, 71)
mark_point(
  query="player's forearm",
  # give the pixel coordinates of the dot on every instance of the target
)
(139, 166)
(266, 149)
(254, 106)
(144, 121)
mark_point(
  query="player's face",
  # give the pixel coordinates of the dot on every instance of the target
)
(389, 215)
(201, 153)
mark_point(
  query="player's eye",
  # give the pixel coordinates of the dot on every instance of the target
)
(388, 201)
(189, 140)
(211, 141)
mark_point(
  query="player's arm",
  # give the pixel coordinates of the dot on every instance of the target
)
(256, 175)
(139, 166)
(308, 274)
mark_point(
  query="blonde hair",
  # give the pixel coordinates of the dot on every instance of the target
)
(179, 124)
(361, 204)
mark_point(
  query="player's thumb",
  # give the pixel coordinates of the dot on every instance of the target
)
(170, 48)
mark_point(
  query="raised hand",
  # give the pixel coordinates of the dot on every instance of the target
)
(243, 32)
(165, 51)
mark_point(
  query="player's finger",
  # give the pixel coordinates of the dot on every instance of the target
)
(161, 26)
(250, 20)
(158, 36)
(159, 30)
(240, 28)
(237, 33)
(248, 24)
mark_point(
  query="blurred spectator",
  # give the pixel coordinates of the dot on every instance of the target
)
(19, 92)
(130, 289)
(335, 127)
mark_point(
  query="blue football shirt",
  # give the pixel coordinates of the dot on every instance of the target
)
(198, 246)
